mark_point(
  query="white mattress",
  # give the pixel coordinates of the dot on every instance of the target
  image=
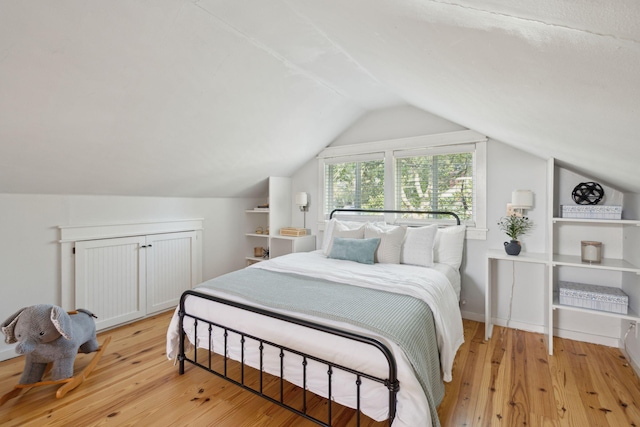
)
(429, 284)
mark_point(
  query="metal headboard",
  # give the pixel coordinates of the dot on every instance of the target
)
(382, 211)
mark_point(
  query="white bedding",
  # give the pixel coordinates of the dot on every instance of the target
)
(428, 284)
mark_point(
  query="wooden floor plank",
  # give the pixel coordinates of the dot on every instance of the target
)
(501, 378)
(568, 405)
(539, 380)
(507, 381)
(465, 403)
(521, 391)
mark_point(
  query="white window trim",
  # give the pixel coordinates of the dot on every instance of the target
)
(343, 153)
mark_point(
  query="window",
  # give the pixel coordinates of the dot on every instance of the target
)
(444, 172)
(436, 182)
(354, 184)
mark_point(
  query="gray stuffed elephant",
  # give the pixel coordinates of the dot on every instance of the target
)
(46, 333)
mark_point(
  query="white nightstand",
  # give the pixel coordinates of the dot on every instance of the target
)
(494, 255)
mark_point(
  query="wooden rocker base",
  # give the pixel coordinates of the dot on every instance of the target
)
(68, 384)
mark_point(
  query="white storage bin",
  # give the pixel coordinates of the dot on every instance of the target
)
(591, 212)
(593, 296)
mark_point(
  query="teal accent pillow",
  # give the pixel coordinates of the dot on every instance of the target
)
(358, 250)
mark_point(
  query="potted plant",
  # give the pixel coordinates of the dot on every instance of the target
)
(514, 226)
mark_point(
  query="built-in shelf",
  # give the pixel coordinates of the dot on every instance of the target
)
(599, 221)
(605, 264)
(631, 315)
(565, 235)
(271, 220)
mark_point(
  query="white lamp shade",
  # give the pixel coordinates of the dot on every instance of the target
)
(522, 199)
(301, 199)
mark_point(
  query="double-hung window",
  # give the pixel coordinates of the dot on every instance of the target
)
(354, 182)
(436, 180)
(421, 173)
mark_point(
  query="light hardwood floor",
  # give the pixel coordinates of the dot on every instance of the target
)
(508, 381)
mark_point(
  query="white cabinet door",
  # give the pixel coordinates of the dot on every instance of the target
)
(170, 268)
(127, 278)
(110, 279)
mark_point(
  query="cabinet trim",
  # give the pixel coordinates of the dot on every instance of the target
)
(75, 233)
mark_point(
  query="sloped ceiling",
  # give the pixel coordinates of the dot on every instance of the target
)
(207, 98)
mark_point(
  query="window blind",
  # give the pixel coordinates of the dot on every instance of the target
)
(436, 182)
(355, 184)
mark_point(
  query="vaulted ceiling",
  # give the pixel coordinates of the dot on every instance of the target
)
(206, 98)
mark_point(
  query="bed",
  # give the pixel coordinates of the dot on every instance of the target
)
(377, 335)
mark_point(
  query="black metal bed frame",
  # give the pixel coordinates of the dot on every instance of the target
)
(383, 211)
(391, 382)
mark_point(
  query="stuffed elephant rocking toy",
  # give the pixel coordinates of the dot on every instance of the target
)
(46, 333)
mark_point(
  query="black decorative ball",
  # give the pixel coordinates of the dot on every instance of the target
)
(587, 193)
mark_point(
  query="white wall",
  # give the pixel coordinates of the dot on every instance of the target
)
(392, 123)
(30, 252)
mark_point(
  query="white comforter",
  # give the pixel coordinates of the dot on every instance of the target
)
(427, 284)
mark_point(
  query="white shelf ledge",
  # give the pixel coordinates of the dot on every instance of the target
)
(534, 257)
(606, 264)
(631, 315)
(256, 235)
(598, 221)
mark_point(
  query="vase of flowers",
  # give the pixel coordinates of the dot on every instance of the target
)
(514, 226)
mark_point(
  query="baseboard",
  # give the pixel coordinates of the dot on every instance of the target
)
(523, 326)
(529, 327)
(7, 354)
(586, 337)
(472, 316)
(562, 333)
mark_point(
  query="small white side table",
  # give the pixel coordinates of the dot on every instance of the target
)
(494, 255)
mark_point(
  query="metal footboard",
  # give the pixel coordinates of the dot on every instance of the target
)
(391, 382)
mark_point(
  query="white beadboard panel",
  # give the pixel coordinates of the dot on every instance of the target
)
(170, 268)
(110, 279)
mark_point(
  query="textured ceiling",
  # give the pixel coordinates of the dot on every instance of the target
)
(207, 98)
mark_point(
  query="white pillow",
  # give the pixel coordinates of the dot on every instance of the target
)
(448, 246)
(417, 248)
(328, 231)
(391, 238)
(342, 230)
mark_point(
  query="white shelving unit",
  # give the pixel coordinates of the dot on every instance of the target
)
(565, 262)
(273, 219)
(256, 218)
